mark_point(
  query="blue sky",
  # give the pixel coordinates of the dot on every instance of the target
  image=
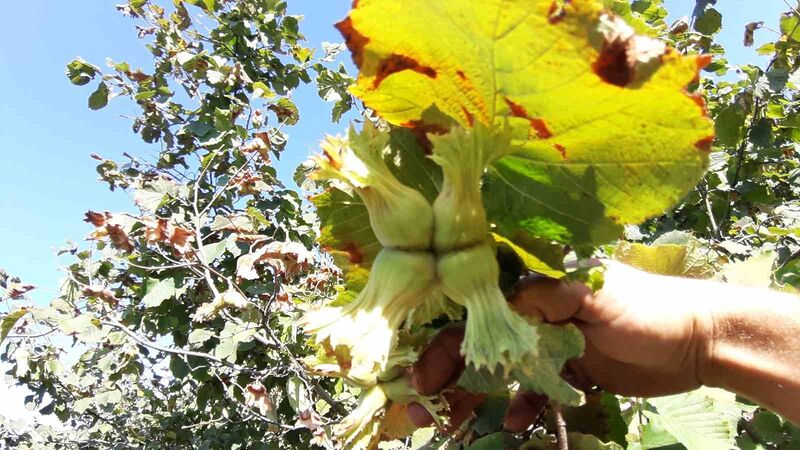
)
(47, 180)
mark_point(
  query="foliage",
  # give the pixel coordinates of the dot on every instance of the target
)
(178, 326)
(175, 328)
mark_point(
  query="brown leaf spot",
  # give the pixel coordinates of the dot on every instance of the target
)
(398, 63)
(468, 116)
(556, 14)
(355, 41)
(538, 126)
(700, 101)
(541, 129)
(332, 157)
(704, 145)
(704, 61)
(562, 150)
(421, 130)
(354, 254)
(516, 109)
(461, 75)
(613, 65)
(95, 218)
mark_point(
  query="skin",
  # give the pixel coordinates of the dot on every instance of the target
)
(646, 336)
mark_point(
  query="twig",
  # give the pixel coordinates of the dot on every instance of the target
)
(142, 341)
(322, 393)
(561, 426)
(31, 336)
(703, 189)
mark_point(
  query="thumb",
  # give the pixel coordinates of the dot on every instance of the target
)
(549, 299)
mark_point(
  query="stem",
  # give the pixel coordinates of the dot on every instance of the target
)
(561, 426)
(703, 189)
(144, 342)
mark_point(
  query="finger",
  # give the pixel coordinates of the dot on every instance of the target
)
(419, 416)
(549, 299)
(440, 364)
(524, 409)
(628, 379)
(460, 404)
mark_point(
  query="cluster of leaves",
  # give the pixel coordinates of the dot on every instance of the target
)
(739, 224)
(175, 328)
(178, 327)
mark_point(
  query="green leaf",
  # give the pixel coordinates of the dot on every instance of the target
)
(231, 336)
(697, 420)
(790, 25)
(199, 129)
(421, 437)
(178, 367)
(297, 395)
(756, 271)
(768, 427)
(622, 8)
(536, 255)
(81, 405)
(99, 98)
(145, 95)
(261, 90)
(286, 111)
(588, 442)
(345, 230)
(213, 251)
(601, 416)
(200, 336)
(521, 195)
(576, 441)
(111, 397)
(84, 327)
(710, 22)
(493, 441)
(409, 163)
(654, 435)
(206, 5)
(80, 72)
(680, 260)
(761, 133)
(8, 322)
(490, 415)
(729, 126)
(542, 373)
(156, 291)
(482, 381)
(152, 195)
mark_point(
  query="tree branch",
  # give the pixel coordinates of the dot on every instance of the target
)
(144, 342)
(561, 426)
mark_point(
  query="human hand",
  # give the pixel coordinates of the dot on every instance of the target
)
(646, 335)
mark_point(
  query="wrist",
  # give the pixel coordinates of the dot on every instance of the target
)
(704, 340)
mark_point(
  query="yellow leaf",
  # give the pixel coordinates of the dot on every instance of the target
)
(606, 129)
